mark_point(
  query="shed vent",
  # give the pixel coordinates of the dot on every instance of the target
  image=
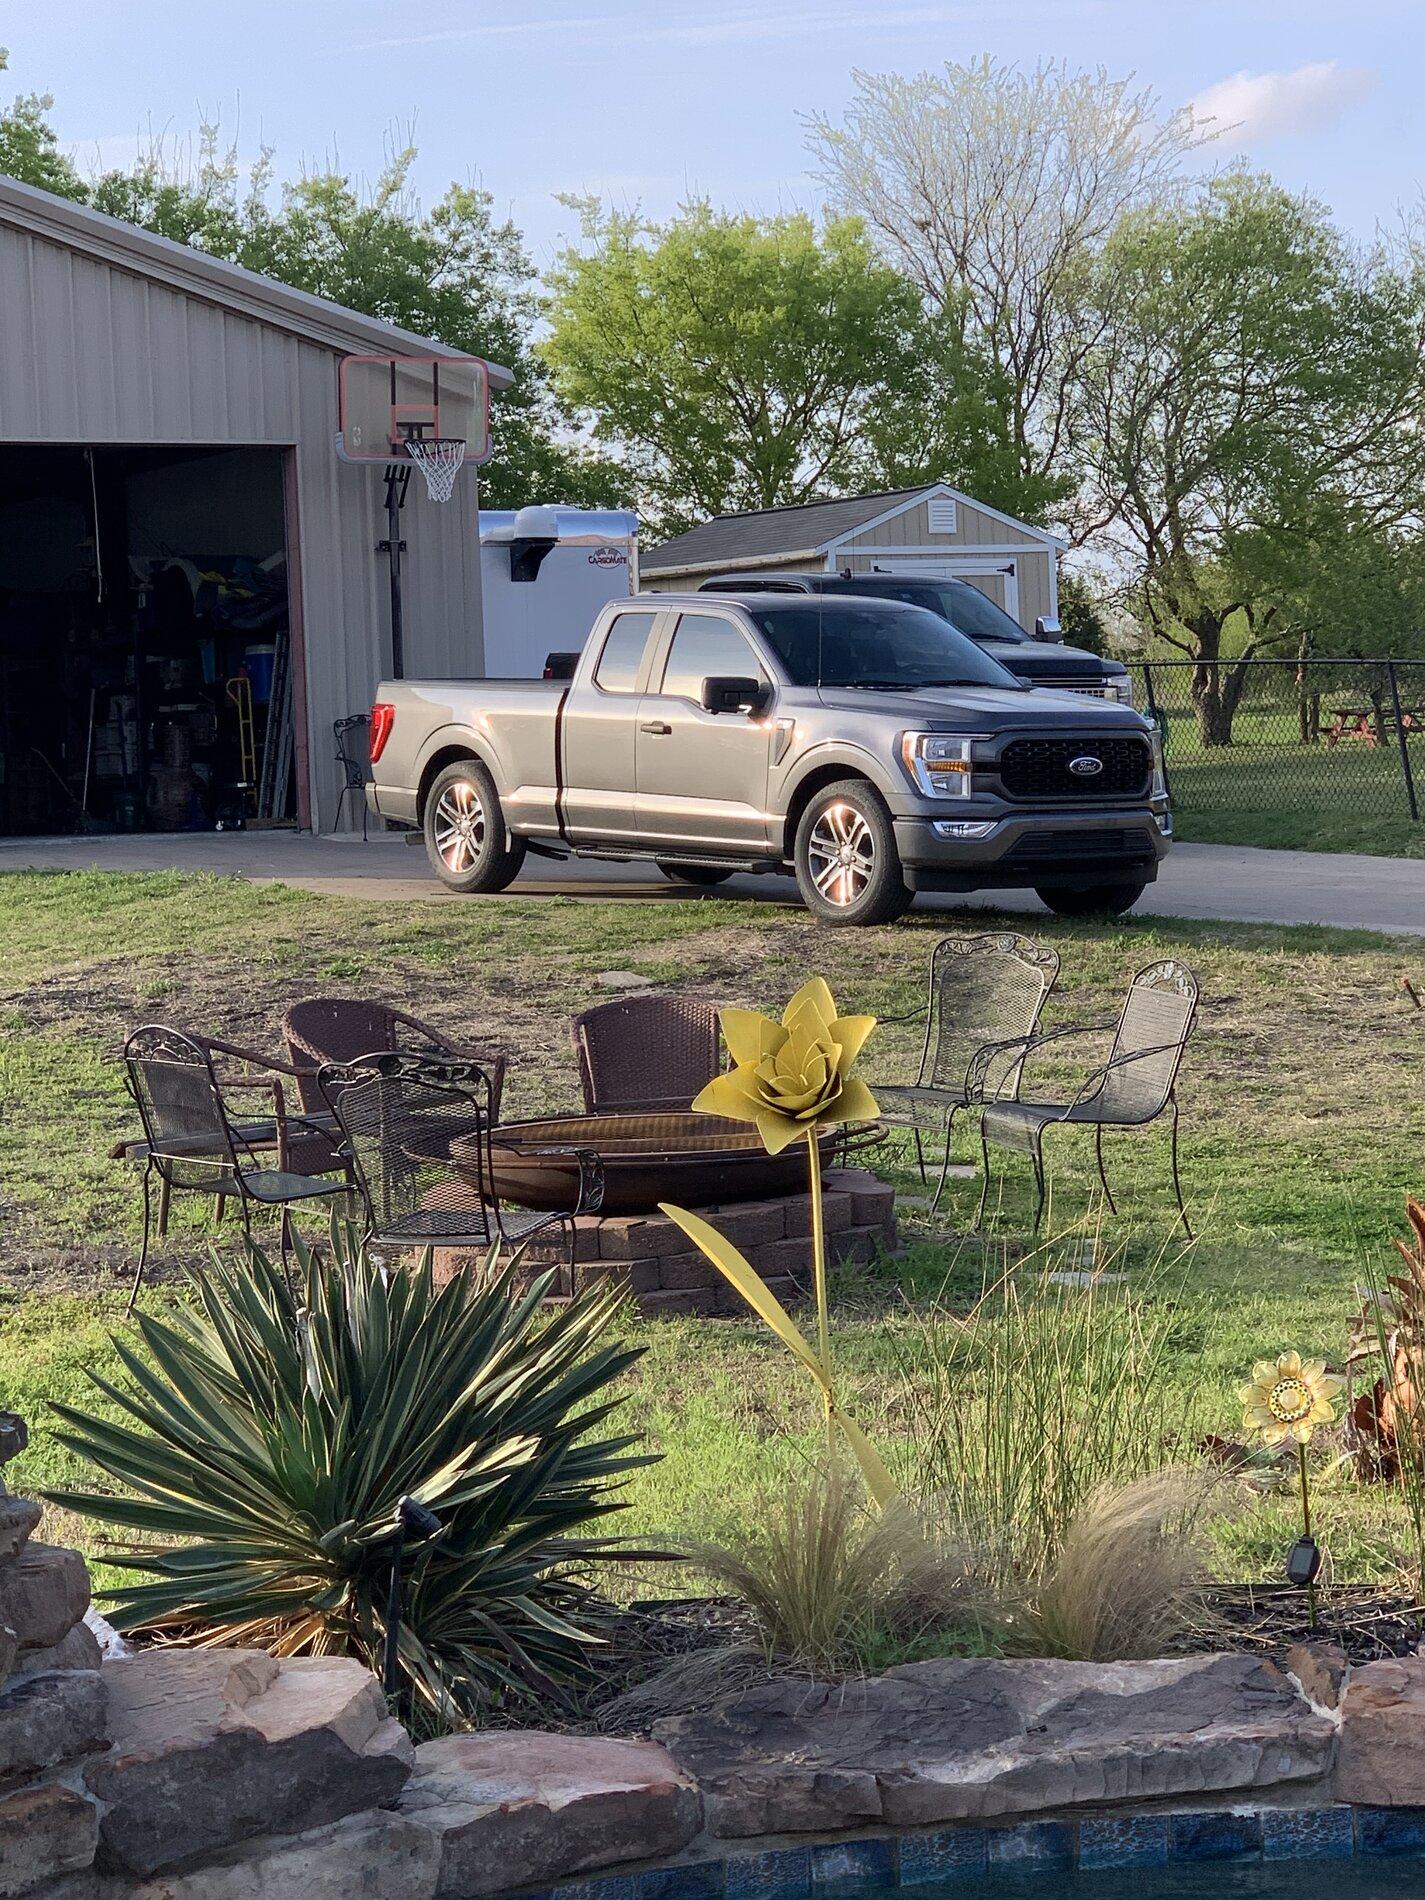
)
(941, 516)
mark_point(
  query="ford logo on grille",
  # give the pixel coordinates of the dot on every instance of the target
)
(1086, 765)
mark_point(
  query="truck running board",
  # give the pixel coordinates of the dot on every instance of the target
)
(541, 848)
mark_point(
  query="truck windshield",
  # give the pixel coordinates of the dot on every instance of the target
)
(961, 604)
(842, 642)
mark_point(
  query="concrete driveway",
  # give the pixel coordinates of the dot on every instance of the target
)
(1227, 882)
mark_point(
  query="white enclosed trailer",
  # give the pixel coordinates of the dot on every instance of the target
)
(544, 575)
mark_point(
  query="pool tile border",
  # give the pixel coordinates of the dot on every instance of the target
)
(821, 1870)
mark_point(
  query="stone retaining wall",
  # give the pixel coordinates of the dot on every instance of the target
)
(651, 1255)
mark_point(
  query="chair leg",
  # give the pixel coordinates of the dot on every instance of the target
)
(984, 1177)
(220, 1210)
(1177, 1181)
(143, 1250)
(1037, 1156)
(919, 1155)
(165, 1191)
(1098, 1156)
(945, 1160)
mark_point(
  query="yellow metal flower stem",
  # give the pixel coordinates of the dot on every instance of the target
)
(1306, 1530)
(818, 1254)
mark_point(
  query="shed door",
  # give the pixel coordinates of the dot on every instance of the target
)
(997, 579)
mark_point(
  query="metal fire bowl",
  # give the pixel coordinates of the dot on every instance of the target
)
(691, 1160)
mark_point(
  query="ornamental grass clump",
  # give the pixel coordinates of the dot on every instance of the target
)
(792, 1078)
(265, 1438)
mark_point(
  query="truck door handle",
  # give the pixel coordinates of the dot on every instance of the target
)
(655, 726)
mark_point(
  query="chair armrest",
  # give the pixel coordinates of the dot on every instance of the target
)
(590, 1197)
(911, 1016)
(1017, 1050)
(1092, 1083)
(216, 1045)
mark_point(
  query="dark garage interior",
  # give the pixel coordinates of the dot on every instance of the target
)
(145, 641)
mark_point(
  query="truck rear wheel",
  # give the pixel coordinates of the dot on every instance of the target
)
(848, 869)
(1090, 900)
(467, 841)
(706, 874)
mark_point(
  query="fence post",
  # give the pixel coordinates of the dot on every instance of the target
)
(1403, 740)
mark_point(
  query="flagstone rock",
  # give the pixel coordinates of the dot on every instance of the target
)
(975, 1740)
(378, 1856)
(213, 1747)
(43, 1594)
(515, 1807)
(49, 1719)
(1380, 1761)
(18, 1519)
(78, 1649)
(46, 1831)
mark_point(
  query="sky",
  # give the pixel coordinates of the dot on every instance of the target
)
(646, 104)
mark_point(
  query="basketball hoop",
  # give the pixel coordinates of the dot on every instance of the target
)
(438, 458)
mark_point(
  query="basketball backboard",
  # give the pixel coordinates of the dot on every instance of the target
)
(384, 402)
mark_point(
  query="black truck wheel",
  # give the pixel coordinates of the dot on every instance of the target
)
(1092, 900)
(848, 869)
(467, 842)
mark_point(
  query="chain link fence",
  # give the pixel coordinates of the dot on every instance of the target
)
(1277, 740)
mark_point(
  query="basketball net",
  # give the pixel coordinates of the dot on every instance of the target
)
(438, 459)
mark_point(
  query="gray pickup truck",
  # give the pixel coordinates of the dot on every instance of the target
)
(865, 744)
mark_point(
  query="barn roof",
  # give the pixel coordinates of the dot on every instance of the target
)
(182, 268)
(785, 534)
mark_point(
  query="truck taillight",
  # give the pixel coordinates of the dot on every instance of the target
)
(383, 717)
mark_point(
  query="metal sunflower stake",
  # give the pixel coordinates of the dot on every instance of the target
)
(792, 1078)
(1287, 1399)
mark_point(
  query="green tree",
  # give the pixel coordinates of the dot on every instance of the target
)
(1250, 371)
(734, 362)
(452, 272)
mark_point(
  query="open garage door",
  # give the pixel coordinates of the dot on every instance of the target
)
(146, 667)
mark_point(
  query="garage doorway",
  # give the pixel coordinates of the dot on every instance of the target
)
(146, 675)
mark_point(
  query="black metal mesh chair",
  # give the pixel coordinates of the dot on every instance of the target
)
(354, 764)
(646, 1053)
(417, 1130)
(986, 995)
(192, 1144)
(1132, 1088)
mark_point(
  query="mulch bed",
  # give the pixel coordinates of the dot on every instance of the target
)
(1368, 1623)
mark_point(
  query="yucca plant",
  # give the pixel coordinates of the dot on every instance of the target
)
(260, 1455)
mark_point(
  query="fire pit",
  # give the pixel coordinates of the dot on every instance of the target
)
(692, 1160)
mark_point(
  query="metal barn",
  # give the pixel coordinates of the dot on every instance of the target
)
(174, 520)
(935, 530)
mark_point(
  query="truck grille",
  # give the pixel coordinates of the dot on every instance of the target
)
(1039, 768)
(1059, 847)
(1099, 691)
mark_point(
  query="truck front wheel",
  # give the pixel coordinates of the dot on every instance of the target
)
(848, 869)
(1092, 900)
(467, 842)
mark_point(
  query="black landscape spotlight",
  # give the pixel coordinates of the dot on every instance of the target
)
(412, 1520)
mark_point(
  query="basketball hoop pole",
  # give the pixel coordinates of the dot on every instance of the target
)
(398, 480)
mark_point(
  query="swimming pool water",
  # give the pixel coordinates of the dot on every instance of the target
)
(1202, 1880)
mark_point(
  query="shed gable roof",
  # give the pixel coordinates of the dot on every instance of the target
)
(811, 528)
(193, 272)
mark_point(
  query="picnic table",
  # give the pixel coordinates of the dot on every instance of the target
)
(1371, 724)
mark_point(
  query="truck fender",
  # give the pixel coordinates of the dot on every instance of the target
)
(442, 747)
(828, 761)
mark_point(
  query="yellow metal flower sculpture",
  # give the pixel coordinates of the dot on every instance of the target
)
(1285, 1401)
(1289, 1398)
(793, 1078)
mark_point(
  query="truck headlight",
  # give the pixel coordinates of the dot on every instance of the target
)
(1159, 786)
(1120, 689)
(939, 764)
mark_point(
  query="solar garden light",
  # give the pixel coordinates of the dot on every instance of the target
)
(1287, 1400)
(412, 1520)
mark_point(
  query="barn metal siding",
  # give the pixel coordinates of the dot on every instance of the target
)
(93, 353)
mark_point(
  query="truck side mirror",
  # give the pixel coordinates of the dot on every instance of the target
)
(730, 693)
(1047, 627)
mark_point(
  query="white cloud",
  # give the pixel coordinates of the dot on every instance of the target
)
(1255, 108)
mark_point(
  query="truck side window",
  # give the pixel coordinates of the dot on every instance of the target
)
(705, 646)
(622, 655)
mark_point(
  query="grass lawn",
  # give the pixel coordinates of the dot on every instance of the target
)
(1303, 1123)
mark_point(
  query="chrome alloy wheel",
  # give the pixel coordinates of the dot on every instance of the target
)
(841, 854)
(459, 827)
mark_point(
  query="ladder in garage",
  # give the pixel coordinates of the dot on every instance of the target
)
(277, 741)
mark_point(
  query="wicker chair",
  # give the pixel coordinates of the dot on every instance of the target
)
(416, 1129)
(341, 1029)
(192, 1143)
(986, 994)
(646, 1053)
(1136, 1084)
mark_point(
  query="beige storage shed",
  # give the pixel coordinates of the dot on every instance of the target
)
(933, 531)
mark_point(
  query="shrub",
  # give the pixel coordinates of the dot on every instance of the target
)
(266, 1441)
